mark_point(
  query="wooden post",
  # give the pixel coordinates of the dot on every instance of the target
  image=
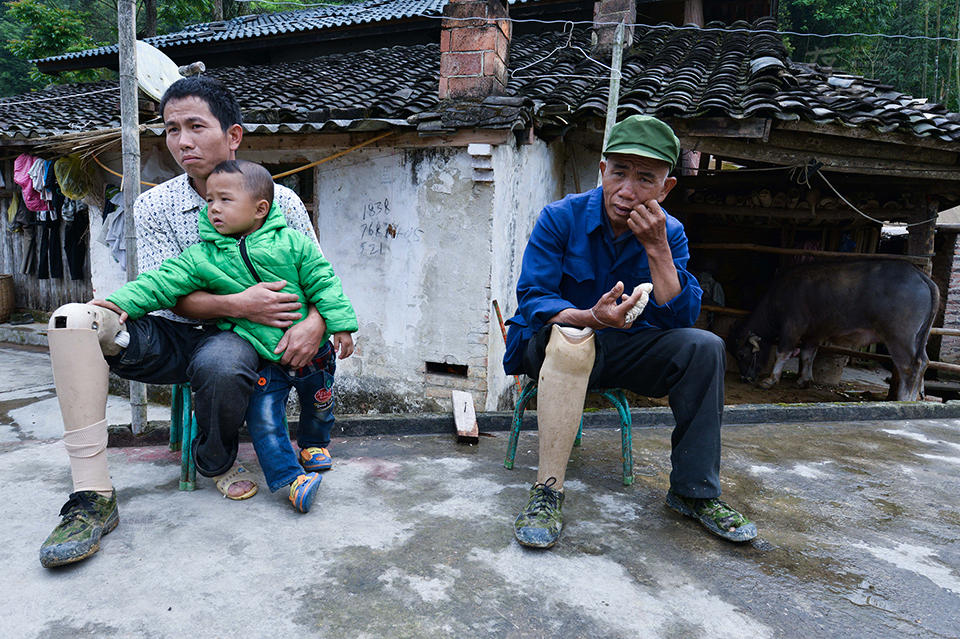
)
(613, 96)
(465, 417)
(920, 237)
(130, 141)
(693, 12)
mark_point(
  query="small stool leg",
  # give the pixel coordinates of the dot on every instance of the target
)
(176, 417)
(189, 431)
(529, 391)
(626, 437)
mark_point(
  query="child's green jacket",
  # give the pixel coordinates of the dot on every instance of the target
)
(225, 265)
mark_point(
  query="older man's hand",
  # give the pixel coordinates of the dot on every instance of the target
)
(648, 223)
(608, 313)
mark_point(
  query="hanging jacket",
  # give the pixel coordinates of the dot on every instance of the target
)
(21, 175)
(224, 265)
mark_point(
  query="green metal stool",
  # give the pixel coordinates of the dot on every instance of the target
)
(616, 397)
(183, 429)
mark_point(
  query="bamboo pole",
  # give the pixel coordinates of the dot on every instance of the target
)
(723, 246)
(130, 140)
(739, 312)
(955, 332)
(839, 350)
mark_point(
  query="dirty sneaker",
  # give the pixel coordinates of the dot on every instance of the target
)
(87, 516)
(539, 523)
(303, 490)
(315, 458)
(715, 515)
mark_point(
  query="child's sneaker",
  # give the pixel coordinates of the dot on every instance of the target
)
(314, 459)
(303, 490)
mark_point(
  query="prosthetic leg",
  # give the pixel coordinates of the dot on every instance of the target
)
(562, 387)
(79, 336)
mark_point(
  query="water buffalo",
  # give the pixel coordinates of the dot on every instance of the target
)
(858, 302)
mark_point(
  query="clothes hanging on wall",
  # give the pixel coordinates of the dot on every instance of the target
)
(23, 222)
(112, 231)
(76, 220)
(51, 258)
(51, 191)
(12, 207)
(22, 166)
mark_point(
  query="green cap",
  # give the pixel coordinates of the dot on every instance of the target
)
(646, 136)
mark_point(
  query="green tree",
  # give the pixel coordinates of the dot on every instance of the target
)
(49, 31)
(32, 29)
(923, 68)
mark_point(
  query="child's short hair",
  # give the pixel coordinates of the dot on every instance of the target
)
(256, 179)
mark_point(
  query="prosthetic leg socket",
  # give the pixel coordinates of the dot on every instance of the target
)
(562, 387)
(78, 336)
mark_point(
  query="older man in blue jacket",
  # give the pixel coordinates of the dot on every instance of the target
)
(576, 326)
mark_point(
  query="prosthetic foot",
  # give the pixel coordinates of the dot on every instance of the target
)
(79, 335)
(562, 386)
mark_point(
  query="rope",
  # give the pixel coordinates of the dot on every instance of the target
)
(332, 157)
(109, 170)
(278, 175)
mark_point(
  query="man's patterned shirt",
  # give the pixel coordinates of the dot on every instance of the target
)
(167, 217)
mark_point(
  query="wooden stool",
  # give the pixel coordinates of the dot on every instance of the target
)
(616, 397)
(183, 429)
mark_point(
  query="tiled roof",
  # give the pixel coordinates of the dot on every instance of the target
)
(269, 25)
(276, 24)
(668, 72)
(740, 73)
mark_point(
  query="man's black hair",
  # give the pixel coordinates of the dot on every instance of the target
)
(219, 100)
(256, 179)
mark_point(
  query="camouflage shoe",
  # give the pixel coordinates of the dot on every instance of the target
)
(87, 516)
(539, 523)
(715, 515)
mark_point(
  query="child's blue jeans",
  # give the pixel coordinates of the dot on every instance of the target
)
(267, 414)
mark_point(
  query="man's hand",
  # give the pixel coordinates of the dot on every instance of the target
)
(608, 313)
(343, 344)
(263, 303)
(113, 307)
(648, 223)
(302, 341)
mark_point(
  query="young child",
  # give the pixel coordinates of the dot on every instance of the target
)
(246, 240)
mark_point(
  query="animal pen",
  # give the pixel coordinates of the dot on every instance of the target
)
(759, 196)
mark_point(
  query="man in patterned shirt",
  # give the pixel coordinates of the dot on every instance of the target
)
(203, 128)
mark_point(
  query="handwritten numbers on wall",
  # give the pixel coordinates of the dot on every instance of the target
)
(379, 229)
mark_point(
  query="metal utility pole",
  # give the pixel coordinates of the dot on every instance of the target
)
(130, 140)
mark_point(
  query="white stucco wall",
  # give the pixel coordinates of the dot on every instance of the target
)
(526, 178)
(408, 232)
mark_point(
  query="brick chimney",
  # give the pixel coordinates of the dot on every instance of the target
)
(612, 11)
(474, 48)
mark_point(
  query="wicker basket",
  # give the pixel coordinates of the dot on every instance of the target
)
(6, 297)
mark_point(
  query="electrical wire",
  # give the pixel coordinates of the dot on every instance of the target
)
(58, 97)
(872, 219)
(856, 34)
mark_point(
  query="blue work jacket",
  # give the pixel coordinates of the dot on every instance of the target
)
(571, 262)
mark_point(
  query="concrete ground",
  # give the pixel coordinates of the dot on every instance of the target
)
(411, 537)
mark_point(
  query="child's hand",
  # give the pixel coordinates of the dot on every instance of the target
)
(343, 344)
(113, 307)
